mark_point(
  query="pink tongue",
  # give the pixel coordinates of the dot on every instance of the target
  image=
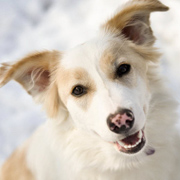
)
(130, 140)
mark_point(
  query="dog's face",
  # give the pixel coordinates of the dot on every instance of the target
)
(100, 80)
(103, 84)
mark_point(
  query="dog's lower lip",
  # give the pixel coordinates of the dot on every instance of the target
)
(131, 144)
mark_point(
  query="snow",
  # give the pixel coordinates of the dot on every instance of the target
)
(28, 26)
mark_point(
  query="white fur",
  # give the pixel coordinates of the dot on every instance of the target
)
(77, 144)
(70, 150)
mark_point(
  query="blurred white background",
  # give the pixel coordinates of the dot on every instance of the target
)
(34, 25)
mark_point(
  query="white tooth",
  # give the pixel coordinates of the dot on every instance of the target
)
(133, 145)
(138, 142)
(126, 146)
(121, 143)
(140, 134)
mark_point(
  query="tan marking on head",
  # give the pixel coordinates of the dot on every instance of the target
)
(107, 63)
(137, 58)
(69, 78)
(16, 167)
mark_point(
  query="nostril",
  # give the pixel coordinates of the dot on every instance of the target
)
(123, 128)
(129, 123)
(112, 126)
(129, 114)
(116, 129)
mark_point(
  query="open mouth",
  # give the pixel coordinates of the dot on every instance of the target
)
(131, 144)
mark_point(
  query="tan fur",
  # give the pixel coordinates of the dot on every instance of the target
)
(113, 57)
(68, 79)
(52, 101)
(3, 69)
(106, 63)
(148, 53)
(131, 9)
(16, 167)
(44, 60)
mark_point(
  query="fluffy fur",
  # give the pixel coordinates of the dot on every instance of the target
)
(76, 142)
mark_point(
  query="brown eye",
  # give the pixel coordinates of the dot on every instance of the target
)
(79, 91)
(123, 69)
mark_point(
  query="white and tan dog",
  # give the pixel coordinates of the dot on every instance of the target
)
(110, 115)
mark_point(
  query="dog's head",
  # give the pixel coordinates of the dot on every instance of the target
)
(102, 84)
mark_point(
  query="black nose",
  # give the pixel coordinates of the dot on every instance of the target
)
(121, 122)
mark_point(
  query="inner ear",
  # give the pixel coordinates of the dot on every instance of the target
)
(35, 80)
(138, 30)
(44, 80)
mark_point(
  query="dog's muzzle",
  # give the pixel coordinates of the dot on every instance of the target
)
(121, 123)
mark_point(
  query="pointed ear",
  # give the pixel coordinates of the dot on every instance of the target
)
(35, 74)
(133, 21)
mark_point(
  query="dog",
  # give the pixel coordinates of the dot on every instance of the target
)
(110, 113)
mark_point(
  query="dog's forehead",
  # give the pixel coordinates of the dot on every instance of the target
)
(85, 55)
(98, 56)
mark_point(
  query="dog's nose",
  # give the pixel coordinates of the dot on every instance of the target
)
(121, 122)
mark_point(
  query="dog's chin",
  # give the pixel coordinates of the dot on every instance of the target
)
(131, 144)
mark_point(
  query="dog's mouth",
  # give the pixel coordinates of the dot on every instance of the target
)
(131, 144)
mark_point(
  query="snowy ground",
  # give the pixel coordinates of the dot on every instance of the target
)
(28, 25)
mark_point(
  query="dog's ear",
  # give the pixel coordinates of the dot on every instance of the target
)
(133, 21)
(36, 74)
(32, 72)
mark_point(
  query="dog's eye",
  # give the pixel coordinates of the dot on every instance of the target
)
(78, 91)
(123, 69)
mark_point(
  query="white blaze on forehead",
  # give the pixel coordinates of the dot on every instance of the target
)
(88, 53)
(82, 56)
